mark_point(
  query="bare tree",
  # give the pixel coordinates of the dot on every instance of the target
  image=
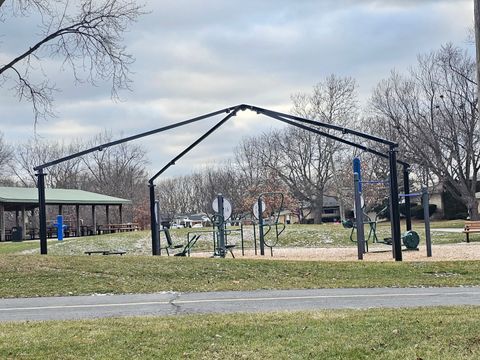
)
(117, 171)
(34, 152)
(180, 195)
(434, 113)
(5, 159)
(86, 36)
(301, 159)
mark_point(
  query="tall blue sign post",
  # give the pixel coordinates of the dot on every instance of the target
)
(59, 227)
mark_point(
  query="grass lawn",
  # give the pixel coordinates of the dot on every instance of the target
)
(37, 275)
(422, 333)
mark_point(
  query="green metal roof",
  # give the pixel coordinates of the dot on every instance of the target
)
(20, 195)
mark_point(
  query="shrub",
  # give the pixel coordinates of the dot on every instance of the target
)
(417, 211)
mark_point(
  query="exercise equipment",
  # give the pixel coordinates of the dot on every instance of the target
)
(410, 238)
(185, 248)
(273, 201)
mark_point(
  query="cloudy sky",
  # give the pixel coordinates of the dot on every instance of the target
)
(194, 57)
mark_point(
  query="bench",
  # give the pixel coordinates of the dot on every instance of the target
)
(106, 252)
(471, 227)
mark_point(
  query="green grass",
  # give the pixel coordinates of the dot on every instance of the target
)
(422, 333)
(447, 224)
(36, 275)
(18, 247)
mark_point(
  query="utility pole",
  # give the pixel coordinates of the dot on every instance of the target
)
(476, 11)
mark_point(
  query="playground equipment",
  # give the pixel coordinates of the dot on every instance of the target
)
(372, 234)
(388, 151)
(269, 228)
(409, 238)
(171, 246)
(275, 201)
(223, 211)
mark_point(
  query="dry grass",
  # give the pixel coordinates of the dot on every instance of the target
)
(435, 333)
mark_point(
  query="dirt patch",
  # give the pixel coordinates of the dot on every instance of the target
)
(448, 252)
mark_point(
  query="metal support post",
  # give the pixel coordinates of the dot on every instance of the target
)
(359, 217)
(255, 238)
(395, 220)
(426, 217)
(153, 222)
(158, 217)
(42, 212)
(406, 190)
(221, 227)
(241, 237)
(260, 226)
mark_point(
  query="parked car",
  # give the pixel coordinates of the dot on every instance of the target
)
(176, 226)
(197, 225)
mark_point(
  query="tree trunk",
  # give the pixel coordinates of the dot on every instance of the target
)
(317, 204)
(476, 13)
(473, 210)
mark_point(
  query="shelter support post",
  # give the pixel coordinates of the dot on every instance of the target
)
(406, 190)
(34, 223)
(94, 220)
(42, 212)
(77, 220)
(24, 223)
(153, 222)
(107, 214)
(359, 217)
(120, 213)
(426, 217)
(395, 211)
(2, 222)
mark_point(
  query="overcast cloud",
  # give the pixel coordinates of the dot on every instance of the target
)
(194, 57)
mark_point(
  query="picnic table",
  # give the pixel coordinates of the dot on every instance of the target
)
(113, 228)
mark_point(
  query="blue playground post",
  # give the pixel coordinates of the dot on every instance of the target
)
(357, 169)
(59, 227)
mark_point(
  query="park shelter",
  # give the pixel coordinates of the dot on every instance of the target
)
(20, 200)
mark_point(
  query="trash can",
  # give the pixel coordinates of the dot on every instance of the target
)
(17, 233)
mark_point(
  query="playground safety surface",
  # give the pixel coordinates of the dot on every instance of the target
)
(447, 252)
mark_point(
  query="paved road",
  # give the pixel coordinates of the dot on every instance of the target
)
(81, 307)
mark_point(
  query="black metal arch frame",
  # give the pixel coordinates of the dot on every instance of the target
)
(305, 124)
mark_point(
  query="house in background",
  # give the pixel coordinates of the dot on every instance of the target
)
(331, 212)
(448, 207)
